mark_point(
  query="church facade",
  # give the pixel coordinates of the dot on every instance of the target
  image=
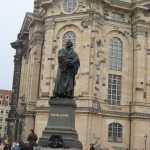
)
(112, 39)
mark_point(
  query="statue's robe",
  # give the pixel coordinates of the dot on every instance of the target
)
(68, 65)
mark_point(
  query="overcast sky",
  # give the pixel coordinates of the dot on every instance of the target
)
(12, 13)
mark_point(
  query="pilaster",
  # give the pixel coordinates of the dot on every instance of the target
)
(139, 37)
(48, 60)
(18, 45)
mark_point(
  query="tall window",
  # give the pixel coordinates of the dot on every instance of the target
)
(117, 17)
(115, 132)
(69, 36)
(114, 89)
(115, 54)
(70, 5)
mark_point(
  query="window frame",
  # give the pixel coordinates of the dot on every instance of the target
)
(114, 89)
(115, 132)
(118, 17)
(116, 54)
(66, 8)
(65, 38)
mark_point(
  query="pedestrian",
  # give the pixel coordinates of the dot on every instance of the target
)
(17, 146)
(22, 145)
(32, 138)
(92, 147)
(7, 144)
(2, 145)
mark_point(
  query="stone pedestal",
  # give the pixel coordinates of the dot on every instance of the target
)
(60, 131)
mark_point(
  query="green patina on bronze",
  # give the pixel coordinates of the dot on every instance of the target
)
(68, 65)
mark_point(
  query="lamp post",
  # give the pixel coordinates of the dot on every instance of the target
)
(145, 140)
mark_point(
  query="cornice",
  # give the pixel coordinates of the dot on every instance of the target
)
(46, 3)
(104, 113)
(26, 24)
(17, 44)
(36, 19)
(118, 4)
(71, 16)
(115, 114)
(127, 6)
(137, 115)
(133, 115)
(143, 2)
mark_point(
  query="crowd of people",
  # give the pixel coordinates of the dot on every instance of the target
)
(8, 144)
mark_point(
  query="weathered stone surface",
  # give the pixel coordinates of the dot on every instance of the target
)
(94, 26)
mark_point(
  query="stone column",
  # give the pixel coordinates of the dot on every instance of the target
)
(139, 78)
(36, 46)
(18, 45)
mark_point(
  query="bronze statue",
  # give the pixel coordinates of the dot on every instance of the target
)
(68, 65)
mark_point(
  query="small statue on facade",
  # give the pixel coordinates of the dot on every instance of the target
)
(68, 65)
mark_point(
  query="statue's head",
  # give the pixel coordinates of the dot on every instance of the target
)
(69, 44)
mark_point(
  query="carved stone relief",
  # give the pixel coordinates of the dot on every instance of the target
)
(86, 21)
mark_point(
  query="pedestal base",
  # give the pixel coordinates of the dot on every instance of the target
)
(60, 131)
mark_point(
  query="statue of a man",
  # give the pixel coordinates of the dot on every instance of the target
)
(68, 65)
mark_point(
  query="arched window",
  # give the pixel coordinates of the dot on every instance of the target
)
(69, 36)
(115, 132)
(70, 5)
(115, 54)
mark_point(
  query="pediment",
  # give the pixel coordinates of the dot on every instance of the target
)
(26, 23)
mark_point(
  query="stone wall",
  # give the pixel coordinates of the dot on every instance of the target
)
(94, 25)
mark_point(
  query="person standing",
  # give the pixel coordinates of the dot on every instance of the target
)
(7, 144)
(92, 147)
(1, 145)
(15, 146)
(32, 138)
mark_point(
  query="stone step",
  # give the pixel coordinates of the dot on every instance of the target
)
(46, 148)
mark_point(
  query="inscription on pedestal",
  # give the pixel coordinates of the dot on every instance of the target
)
(59, 115)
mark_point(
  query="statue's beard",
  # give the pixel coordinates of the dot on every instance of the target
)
(69, 46)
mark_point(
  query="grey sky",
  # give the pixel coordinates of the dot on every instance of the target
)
(12, 13)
